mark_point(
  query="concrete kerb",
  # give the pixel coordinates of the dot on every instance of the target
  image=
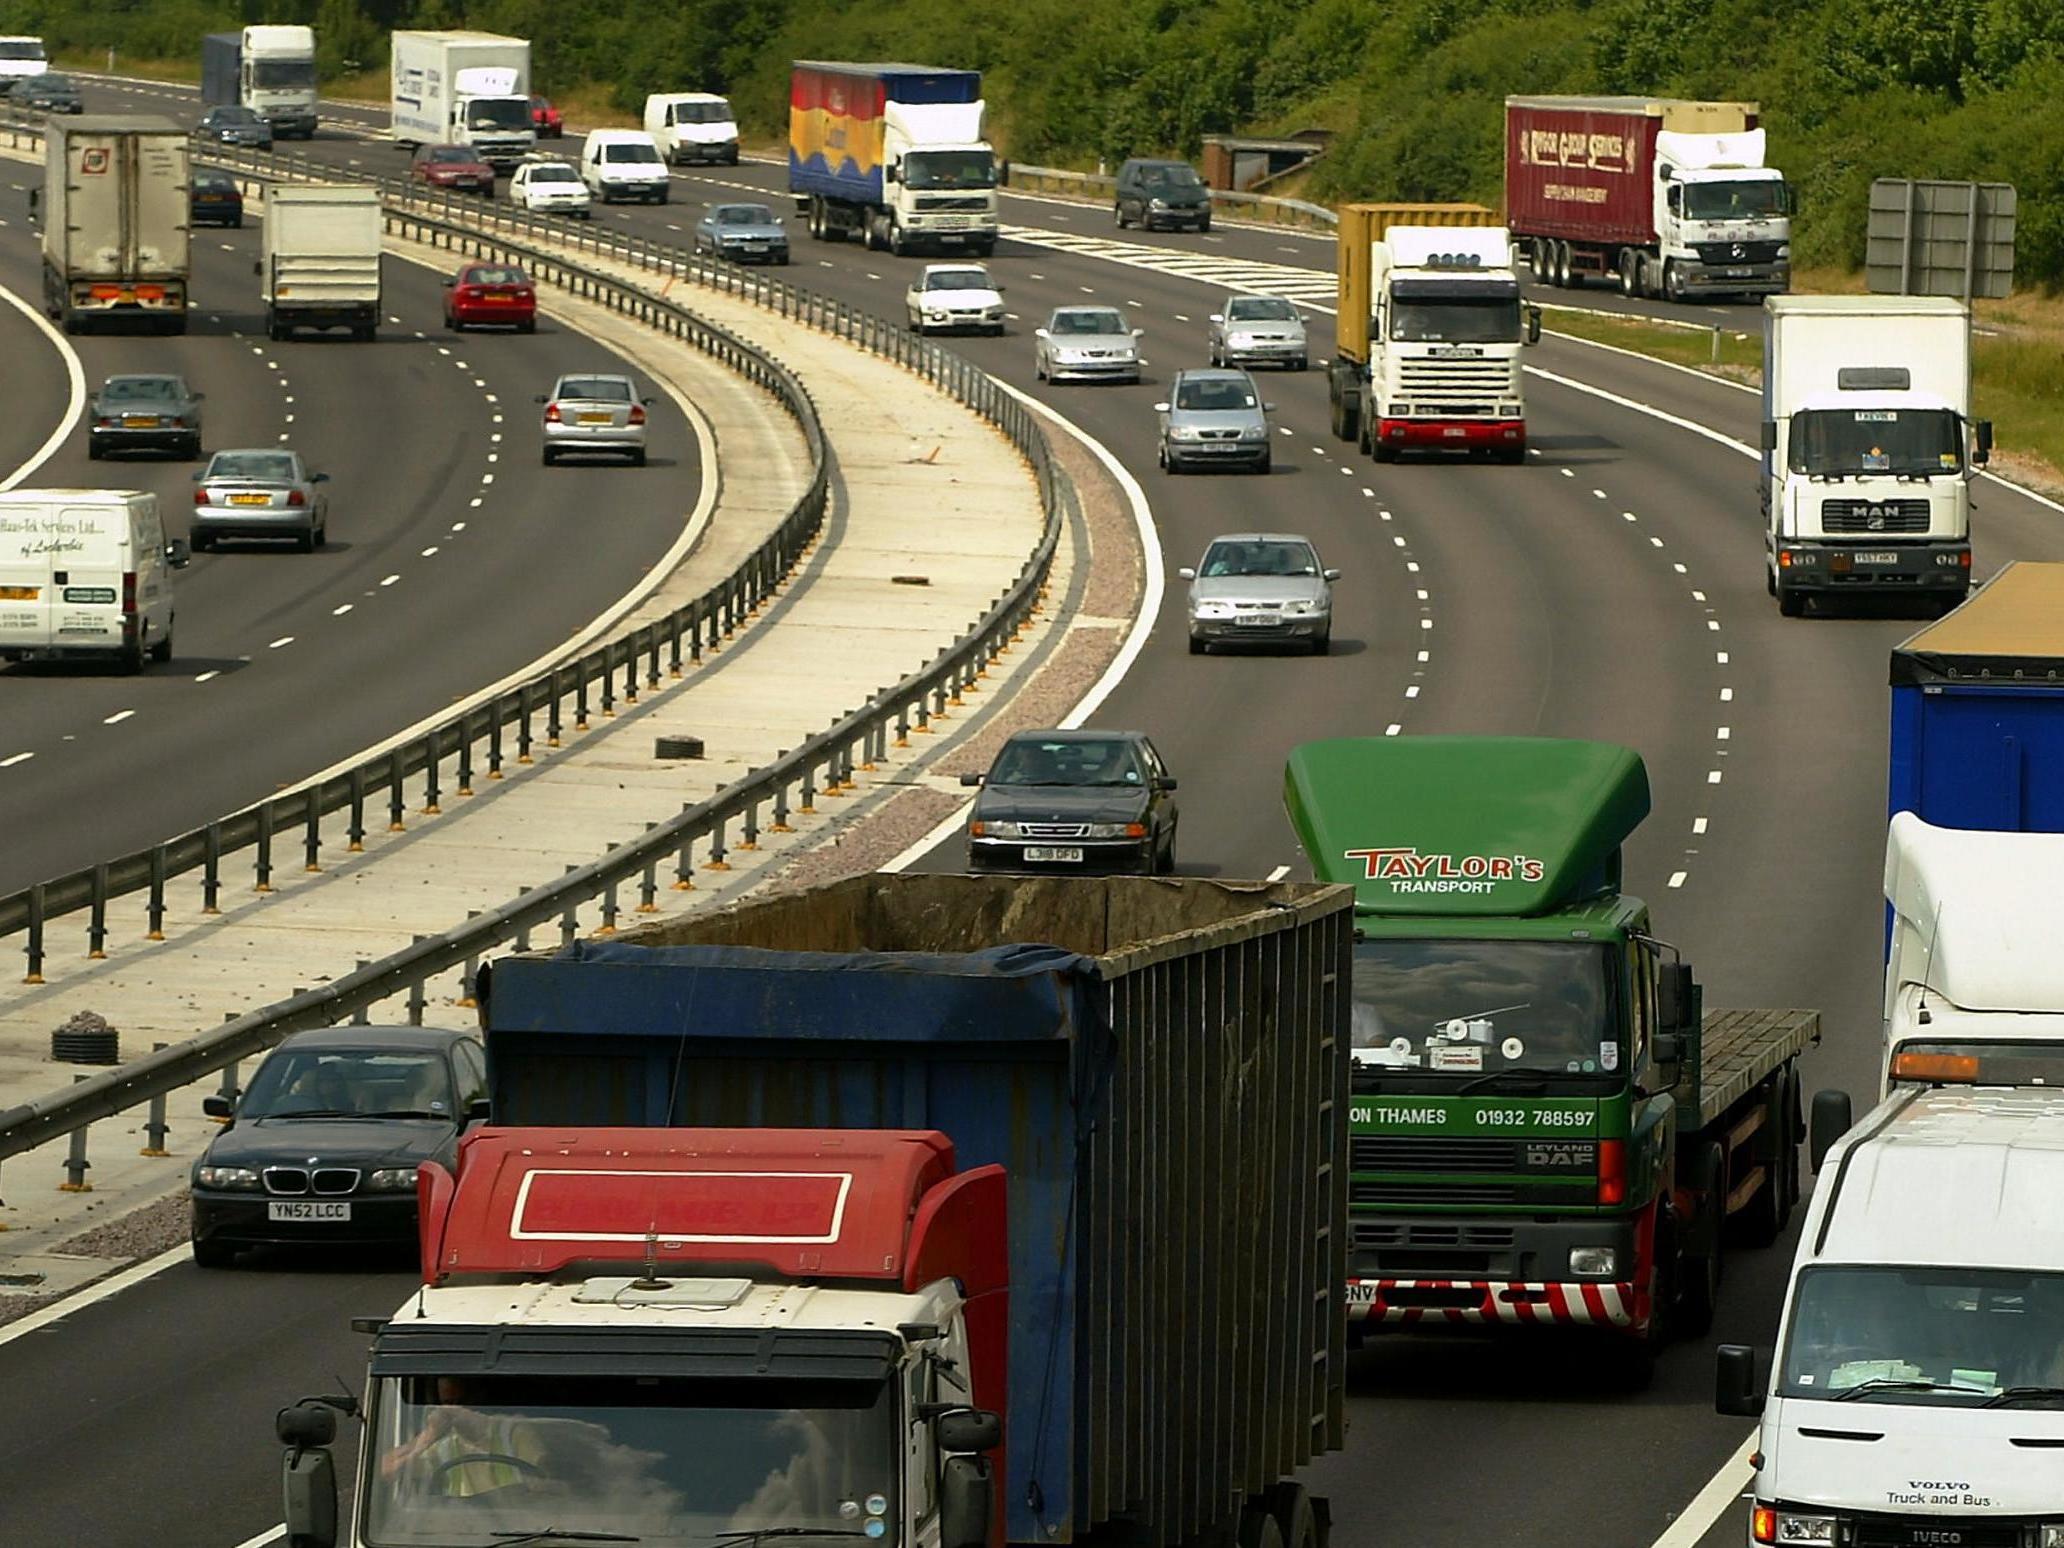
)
(861, 614)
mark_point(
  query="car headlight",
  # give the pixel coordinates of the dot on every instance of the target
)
(1768, 1524)
(1594, 1262)
(1114, 830)
(1183, 433)
(1214, 610)
(1157, 204)
(999, 830)
(933, 314)
(993, 313)
(225, 1177)
(1302, 609)
(1254, 433)
(391, 1179)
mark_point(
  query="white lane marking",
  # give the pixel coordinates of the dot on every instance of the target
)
(1277, 874)
(1726, 733)
(1677, 878)
(1712, 776)
(1680, 569)
(339, 612)
(1425, 655)
(75, 389)
(1698, 825)
(1655, 542)
(284, 639)
(8, 763)
(118, 717)
(269, 1535)
(1713, 624)
(1600, 494)
(1392, 729)
(209, 675)
(1720, 1494)
(458, 526)
(1368, 494)
(1726, 695)
(1697, 595)
(430, 552)
(390, 580)
(1412, 692)
(1720, 656)
(1629, 515)
(1135, 637)
(113, 1285)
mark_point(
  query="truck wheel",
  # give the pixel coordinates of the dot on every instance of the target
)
(1295, 1518)
(1566, 275)
(1768, 1213)
(1699, 1274)
(1258, 1528)
(1791, 604)
(1630, 272)
(1673, 282)
(1381, 450)
(899, 245)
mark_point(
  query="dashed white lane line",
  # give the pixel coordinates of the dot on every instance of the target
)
(430, 552)
(1392, 729)
(118, 717)
(284, 639)
(339, 612)
(390, 580)
(1278, 873)
(1698, 825)
(10, 762)
(1725, 733)
(1713, 776)
(209, 676)
(1726, 695)
(1677, 878)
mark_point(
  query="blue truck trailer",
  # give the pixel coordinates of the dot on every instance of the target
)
(1978, 709)
(1160, 1068)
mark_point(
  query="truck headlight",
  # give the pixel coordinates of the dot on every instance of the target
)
(1784, 250)
(1768, 1524)
(2053, 1534)
(1594, 1262)
(236, 1177)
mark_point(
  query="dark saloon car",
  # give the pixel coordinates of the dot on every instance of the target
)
(1074, 801)
(48, 94)
(216, 200)
(322, 1147)
(236, 125)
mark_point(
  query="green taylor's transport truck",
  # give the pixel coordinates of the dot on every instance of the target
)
(1545, 1125)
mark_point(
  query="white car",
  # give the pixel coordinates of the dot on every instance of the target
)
(551, 186)
(948, 297)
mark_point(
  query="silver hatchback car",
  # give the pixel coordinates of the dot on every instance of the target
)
(1214, 419)
(1086, 344)
(593, 412)
(1259, 330)
(1257, 588)
(264, 493)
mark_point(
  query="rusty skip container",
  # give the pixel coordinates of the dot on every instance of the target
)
(1159, 1065)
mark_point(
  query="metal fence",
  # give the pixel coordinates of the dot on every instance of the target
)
(480, 742)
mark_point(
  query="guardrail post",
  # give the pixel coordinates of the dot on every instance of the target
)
(609, 909)
(749, 825)
(580, 697)
(155, 1128)
(525, 708)
(355, 833)
(684, 862)
(397, 801)
(360, 1017)
(569, 922)
(34, 975)
(523, 934)
(416, 1000)
(808, 804)
(211, 869)
(155, 931)
(96, 928)
(466, 754)
(716, 860)
(494, 742)
(469, 976)
(431, 742)
(607, 678)
(264, 883)
(76, 1163)
(903, 723)
(695, 634)
(673, 644)
(632, 650)
(311, 848)
(648, 884)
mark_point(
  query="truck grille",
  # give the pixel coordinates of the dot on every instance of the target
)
(1864, 516)
(1388, 1153)
(1417, 378)
(977, 203)
(1367, 1193)
(1407, 1232)
(1916, 1531)
(1737, 252)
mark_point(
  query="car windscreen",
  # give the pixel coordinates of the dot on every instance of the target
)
(745, 215)
(1260, 309)
(57, 84)
(956, 279)
(1257, 558)
(235, 115)
(141, 389)
(498, 113)
(702, 112)
(1170, 177)
(1967, 1337)
(1068, 762)
(495, 274)
(349, 1083)
(1213, 396)
(595, 389)
(554, 172)
(451, 155)
(1088, 322)
(256, 467)
(630, 153)
(1910, 442)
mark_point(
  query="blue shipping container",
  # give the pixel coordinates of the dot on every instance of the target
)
(1177, 1213)
(1978, 709)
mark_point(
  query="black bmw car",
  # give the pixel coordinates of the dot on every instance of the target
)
(322, 1148)
(1074, 802)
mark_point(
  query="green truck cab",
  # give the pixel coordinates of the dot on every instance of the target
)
(1546, 1126)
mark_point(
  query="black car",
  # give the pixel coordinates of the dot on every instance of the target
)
(216, 200)
(49, 94)
(1074, 801)
(1161, 193)
(236, 125)
(322, 1147)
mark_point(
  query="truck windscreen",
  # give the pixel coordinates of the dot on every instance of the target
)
(283, 74)
(498, 113)
(1912, 442)
(1761, 199)
(21, 48)
(1454, 319)
(1879, 1334)
(1465, 1008)
(474, 1460)
(949, 169)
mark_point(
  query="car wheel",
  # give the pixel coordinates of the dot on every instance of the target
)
(1199, 647)
(1204, 225)
(161, 650)
(549, 458)
(200, 542)
(193, 450)
(211, 1254)
(322, 535)
(304, 543)
(1118, 215)
(1164, 858)
(1267, 462)
(237, 224)
(638, 458)
(1303, 363)
(94, 450)
(1322, 644)
(1038, 373)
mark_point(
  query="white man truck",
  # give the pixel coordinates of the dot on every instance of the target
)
(1435, 365)
(464, 88)
(1868, 447)
(113, 208)
(321, 265)
(1917, 1390)
(270, 70)
(892, 154)
(1671, 198)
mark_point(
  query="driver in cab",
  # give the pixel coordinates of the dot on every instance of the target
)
(461, 1452)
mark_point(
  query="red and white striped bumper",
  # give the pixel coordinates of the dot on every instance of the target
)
(1458, 1301)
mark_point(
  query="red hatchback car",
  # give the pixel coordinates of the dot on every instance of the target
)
(453, 166)
(498, 294)
(547, 120)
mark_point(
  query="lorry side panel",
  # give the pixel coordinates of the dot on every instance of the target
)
(1979, 755)
(1581, 174)
(835, 134)
(221, 68)
(1172, 1116)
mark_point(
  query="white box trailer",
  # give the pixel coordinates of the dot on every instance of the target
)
(321, 262)
(85, 573)
(114, 213)
(464, 88)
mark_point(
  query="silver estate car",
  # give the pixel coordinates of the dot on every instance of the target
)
(743, 233)
(263, 493)
(1086, 344)
(1214, 419)
(593, 412)
(1254, 588)
(1259, 330)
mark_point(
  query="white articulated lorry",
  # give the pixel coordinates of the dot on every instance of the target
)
(464, 88)
(321, 265)
(270, 70)
(113, 208)
(1868, 447)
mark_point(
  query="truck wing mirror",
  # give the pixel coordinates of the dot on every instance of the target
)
(1984, 453)
(1735, 1390)
(964, 1430)
(1829, 1121)
(1674, 995)
(258, 268)
(1668, 1048)
(890, 174)
(309, 1484)
(1767, 436)
(967, 1496)
(307, 1423)
(1533, 325)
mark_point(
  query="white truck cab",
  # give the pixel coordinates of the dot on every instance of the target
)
(624, 164)
(1722, 218)
(690, 126)
(1974, 984)
(1918, 1384)
(85, 573)
(21, 59)
(278, 77)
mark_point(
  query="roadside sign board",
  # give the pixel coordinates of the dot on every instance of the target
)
(1940, 238)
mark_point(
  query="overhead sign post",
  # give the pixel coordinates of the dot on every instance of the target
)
(1940, 239)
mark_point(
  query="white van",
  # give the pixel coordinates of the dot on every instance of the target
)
(85, 572)
(1918, 1385)
(692, 126)
(623, 164)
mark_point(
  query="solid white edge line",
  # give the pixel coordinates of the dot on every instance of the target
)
(1646, 408)
(1722, 1490)
(75, 373)
(114, 1284)
(1135, 638)
(1277, 874)
(269, 1535)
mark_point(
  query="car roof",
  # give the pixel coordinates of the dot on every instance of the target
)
(252, 451)
(1086, 306)
(1262, 537)
(594, 376)
(742, 204)
(617, 136)
(426, 1038)
(145, 376)
(1213, 374)
(1080, 734)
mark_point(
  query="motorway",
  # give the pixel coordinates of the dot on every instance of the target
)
(446, 568)
(1606, 589)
